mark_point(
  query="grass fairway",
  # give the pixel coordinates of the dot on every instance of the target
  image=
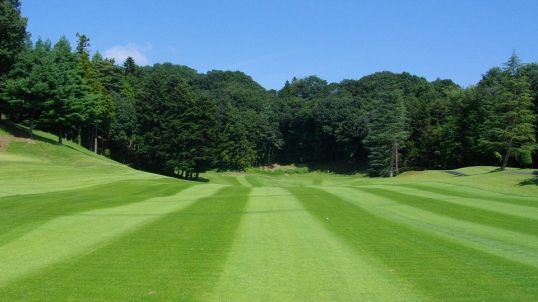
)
(77, 227)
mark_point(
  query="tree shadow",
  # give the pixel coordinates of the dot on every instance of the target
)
(19, 131)
(530, 181)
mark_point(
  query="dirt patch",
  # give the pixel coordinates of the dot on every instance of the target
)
(275, 167)
(5, 140)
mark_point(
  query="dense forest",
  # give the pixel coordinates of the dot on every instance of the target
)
(173, 120)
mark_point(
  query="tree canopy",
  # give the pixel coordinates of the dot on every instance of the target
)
(170, 119)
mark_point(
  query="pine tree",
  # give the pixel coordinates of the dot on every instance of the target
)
(13, 37)
(12, 33)
(71, 97)
(386, 135)
(29, 84)
(509, 127)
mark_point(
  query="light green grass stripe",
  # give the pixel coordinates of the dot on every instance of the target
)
(243, 181)
(479, 203)
(19, 178)
(282, 253)
(70, 235)
(510, 245)
(254, 181)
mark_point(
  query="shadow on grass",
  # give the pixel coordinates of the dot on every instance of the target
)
(200, 179)
(530, 181)
(19, 131)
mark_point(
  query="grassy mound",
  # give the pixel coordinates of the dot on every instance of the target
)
(76, 226)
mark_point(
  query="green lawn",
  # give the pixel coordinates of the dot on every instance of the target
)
(75, 226)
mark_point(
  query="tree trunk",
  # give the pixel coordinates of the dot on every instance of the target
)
(60, 135)
(89, 135)
(95, 139)
(31, 124)
(197, 174)
(391, 160)
(507, 155)
(396, 170)
(79, 135)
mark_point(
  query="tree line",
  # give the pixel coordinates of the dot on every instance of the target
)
(172, 120)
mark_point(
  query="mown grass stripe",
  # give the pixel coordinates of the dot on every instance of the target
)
(70, 235)
(484, 203)
(470, 193)
(36, 178)
(178, 257)
(253, 180)
(461, 212)
(219, 178)
(441, 268)
(510, 245)
(282, 253)
(21, 213)
(243, 181)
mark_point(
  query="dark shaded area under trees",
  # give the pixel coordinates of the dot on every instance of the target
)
(172, 120)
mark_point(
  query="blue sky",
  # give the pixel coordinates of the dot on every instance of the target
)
(274, 41)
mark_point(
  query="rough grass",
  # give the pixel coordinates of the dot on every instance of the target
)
(75, 226)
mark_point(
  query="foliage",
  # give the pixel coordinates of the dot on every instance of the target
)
(386, 135)
(509, 125)
(170, 119)
(30, 83)
(13, 34)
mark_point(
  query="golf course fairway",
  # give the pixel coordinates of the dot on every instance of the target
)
(75, 226)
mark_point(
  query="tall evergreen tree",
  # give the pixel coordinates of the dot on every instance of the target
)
(103, 109)
(122, 128)
(508, 129)
(191, 132)
(72, 97)
(387, 135)
(13, 37)
(236, 149)
(12, 33)
(30, 83)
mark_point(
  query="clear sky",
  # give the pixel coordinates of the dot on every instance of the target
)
(274, 41)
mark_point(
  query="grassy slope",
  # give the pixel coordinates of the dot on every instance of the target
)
(75, 226)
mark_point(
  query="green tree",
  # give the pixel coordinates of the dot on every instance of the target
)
(122, 128)
(29, 84)
(103, 109)
(72, 97)
(236, 149)
(191, 134)
(107, 73)
(12, 33)
(387, 134)
(508, 127)
(13, 37)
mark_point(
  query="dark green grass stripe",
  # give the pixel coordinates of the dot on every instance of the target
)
(22, 213)
(178, 257)
(253, 180)
(232, 181)
(467, 213)
(442, 269)
(458, 191)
